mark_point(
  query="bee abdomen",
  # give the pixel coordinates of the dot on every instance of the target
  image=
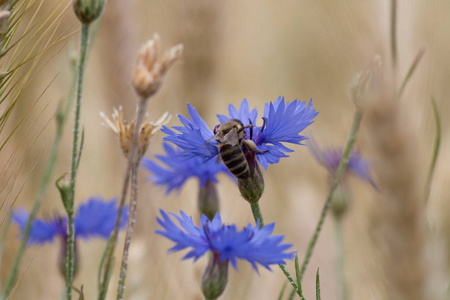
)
(235, 161)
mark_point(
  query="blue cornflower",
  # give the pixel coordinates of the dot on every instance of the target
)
(178, 169)
(95, 218)
(331, 158)
(282, 123)
(253, 244)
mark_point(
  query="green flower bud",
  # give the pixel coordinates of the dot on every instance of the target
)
(208, 201)
(340, 201)
(252, 188)
(215, 278)
(87, 11)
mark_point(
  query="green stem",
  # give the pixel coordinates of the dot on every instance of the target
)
(340, 172)
(75, 159)
(257, 214)
(437, 143)
(340, 259)
(394, 32)
(133, 161)
(411, 70)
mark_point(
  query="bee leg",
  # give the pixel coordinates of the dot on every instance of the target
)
(251, 146)
(251, 129)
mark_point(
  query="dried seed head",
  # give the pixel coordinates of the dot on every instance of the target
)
(149, 72)
(4, 14)
(362, 86)
(125, 130)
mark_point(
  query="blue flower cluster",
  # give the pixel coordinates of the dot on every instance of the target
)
(282, 123)
(253, 244)
(177, 169)
(331, 159)
(95, 218)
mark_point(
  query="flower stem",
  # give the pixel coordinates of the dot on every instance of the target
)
(394, 33)
(340, 259)
(257, 214)
(61, 117)
(75, 160)
(133, 161)
(340, 172)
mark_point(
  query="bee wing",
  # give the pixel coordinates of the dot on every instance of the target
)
(232, 137)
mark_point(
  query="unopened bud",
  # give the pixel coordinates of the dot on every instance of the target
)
(252, 188)
(215, 278)
(4, 15)
(363, 87)
(208, 201)
(340, 201)
(64, 187)
(149, 71)
(87, 11)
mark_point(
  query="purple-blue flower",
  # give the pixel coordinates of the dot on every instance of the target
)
(176, 169)
(331, 158)
(253, 244)
(94, 218)
(282, 123)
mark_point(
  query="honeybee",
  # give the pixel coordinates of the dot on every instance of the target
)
(229, 136)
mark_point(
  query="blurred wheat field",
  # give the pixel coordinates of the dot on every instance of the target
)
(396, 246)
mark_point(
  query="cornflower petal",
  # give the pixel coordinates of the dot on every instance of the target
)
(255, 245)
(177, 169)
(41, 231)
(97, 218)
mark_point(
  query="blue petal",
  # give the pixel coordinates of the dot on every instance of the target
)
(177, 169)
(283, 124)
(96, 218)
(41, 232)
(255, 245)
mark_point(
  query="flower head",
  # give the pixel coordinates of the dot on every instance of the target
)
(95, 218)
(253, 244)
(149, 71)
(282, 123)
(331, 158)
(176, 169)
(125, 130)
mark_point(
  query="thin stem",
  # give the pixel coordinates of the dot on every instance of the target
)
(340, 259)
(37, 204)
(61, 118)
(257, 214)
(437, 142)
(394, 32)
(110, 247)
(411, 70)
(340, 172)
(75, 158)
(133, 160)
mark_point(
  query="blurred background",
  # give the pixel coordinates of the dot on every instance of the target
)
(397, 246)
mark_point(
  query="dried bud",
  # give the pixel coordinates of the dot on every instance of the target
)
(362, 86)
(149, 72)
(208, 201)
(215, 278)
(252, 188)
(87, 11)
(4, 15)
(125, 130)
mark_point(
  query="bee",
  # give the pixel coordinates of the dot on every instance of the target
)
(230, 138)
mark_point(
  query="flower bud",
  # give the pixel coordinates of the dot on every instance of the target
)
(87, 11)
(208, 201)
(149, 72)
(215, 278)
(340, 201)
(252, 188)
